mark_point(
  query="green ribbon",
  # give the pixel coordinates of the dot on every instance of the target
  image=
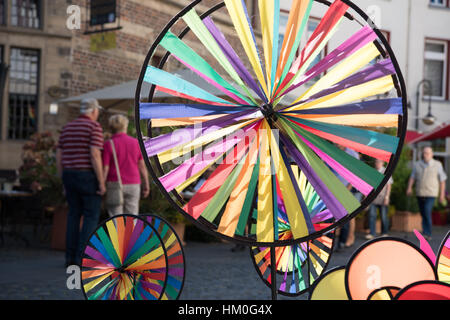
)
(359, 168)
(248, 202)
(178, 48)
(224, 192)
(336, 187)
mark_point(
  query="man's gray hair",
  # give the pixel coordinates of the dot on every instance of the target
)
(89, 105)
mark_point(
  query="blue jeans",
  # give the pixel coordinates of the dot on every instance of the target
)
(81, 193)
(426, 207)
(373, 219)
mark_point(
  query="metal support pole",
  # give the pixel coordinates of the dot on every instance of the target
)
(273, 274)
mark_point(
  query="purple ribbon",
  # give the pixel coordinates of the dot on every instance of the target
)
(382, 106)
(151, 286)
(233, 57)
(381, 69)
(351, 45)
(178, 110)
(178, 272)
(168, 141)
(335, 207)
(97, 255)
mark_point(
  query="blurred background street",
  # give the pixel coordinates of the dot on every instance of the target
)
(55, 54)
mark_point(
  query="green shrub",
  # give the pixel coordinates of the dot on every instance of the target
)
(401, 176)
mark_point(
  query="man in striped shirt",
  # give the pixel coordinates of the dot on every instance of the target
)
(80, 164)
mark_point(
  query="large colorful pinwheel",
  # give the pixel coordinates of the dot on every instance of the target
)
(124, 259)
(229, 109)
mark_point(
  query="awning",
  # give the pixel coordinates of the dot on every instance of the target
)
(121, 97)
(440, 132)
(412, 135)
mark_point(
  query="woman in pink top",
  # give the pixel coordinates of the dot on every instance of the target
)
(131, 169)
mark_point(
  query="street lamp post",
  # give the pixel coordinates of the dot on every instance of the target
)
(429, 118)
(3, 74)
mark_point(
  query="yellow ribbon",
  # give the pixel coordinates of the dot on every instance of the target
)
(351, 64)
(230, 217)
(358, 120)
(238, 16)
(266, 9)
(368, 89)
(264, 224)
(294, 211)
(114, 238)
(180, 150)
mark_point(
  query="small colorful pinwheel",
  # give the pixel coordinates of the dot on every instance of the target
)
(124, 259)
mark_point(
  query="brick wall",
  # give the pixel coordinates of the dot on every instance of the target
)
(94, 70)
(142, 21)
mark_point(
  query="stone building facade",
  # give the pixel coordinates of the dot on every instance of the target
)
(48, 61)
(38, 52)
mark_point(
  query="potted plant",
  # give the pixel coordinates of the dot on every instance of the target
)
(406, 217)
(38, 174)
(362, 220)
(440, 213)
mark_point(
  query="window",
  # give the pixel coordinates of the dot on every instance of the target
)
(2, 13)
(436, 68)
(23, 93)
(3, 72)
(440, 3)
(26, 13)
(102, 12)
(437, 2)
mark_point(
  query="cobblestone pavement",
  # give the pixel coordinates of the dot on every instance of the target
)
(213, 271)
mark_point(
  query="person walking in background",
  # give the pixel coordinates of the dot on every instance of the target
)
(429, 178)
(79, 163)
(381, 203)
(124, 167)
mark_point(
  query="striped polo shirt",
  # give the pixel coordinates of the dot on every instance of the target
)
(76, 139)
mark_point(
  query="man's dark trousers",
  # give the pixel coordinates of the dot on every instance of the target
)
(81, 193)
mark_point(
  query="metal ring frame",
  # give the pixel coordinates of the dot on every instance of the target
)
(203, 224)
(145, 223)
